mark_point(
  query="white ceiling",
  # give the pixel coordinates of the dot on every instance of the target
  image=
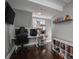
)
(46, 7)
(67, 1)
(61, 1)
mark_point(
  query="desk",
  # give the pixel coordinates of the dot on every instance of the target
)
(36, 39)
(31, 43)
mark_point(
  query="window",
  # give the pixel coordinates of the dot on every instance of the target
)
(37, 22)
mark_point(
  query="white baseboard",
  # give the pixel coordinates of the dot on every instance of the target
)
(29, 44)
(9, 55)
(32, 43)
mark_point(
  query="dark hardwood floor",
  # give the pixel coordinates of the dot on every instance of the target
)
(34, 53)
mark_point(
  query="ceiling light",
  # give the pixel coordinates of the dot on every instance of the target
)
(39, 13)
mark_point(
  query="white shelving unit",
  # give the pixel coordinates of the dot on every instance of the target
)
(63, 48)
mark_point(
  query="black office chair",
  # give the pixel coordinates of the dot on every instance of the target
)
(21, 37)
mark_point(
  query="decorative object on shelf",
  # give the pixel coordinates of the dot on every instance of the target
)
(57, 43)
(62, 19)
(70, 49)
(62, 54)
(43, 31)
(57, 19)
(67, 17)
(69, 56)
(62, 45)
(57, 49)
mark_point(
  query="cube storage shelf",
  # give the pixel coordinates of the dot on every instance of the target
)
(63, 49)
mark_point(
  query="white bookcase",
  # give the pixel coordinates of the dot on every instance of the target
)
(63, 48)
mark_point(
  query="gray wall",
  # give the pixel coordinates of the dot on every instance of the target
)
(8, 38)
(23, 18)
(64, 30)
(8, 42)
